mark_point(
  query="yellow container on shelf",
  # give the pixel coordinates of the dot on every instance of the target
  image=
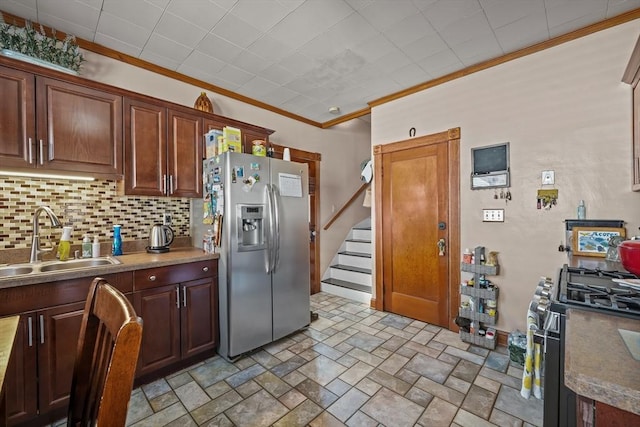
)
(259, 147)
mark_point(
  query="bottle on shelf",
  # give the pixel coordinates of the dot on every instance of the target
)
(582, 210)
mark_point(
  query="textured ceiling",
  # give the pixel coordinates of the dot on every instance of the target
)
(304, 56)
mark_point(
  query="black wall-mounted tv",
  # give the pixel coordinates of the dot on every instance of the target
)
(490, 166)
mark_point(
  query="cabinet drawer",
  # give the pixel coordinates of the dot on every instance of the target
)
(161, 276)
(42, 295)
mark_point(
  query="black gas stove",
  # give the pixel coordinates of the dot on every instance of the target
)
(590, 289)
(597, 289)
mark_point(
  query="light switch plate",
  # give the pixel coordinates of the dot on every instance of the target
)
(548, 177)
(493, 215)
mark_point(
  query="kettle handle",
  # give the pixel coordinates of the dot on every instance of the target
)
(168, 231)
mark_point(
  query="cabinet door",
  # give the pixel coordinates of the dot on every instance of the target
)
(159, 309)
(199, 316)
(58, 332)
(79, 128)
(145, 148)
(185, 154)
(17, 125)
(21, 386)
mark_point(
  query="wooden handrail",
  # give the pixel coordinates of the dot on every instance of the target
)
(346, 205)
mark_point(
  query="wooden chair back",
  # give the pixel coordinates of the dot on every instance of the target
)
(106, 359)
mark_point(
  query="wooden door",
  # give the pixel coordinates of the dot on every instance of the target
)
(417, 186)
(184, 162)
(199, 316)
(313, 161)
(80, 128)
(58, 332)
(145, 148)
(21, 381)
(17, 124)
(161, 333)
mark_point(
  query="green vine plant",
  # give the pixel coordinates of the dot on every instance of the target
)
(37, 44)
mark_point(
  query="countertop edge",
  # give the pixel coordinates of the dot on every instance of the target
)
(128, 262)
(582, 372)
(610, 393)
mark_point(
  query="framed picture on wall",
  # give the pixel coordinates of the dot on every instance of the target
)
(594, 241)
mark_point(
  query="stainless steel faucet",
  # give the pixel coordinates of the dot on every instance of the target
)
(35, 240)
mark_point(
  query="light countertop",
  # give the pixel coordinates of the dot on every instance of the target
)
(128, 262)
(598, 364)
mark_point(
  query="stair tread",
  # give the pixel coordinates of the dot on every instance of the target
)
(358, 240)
(348, 285)
(352, 268)
(358, 254)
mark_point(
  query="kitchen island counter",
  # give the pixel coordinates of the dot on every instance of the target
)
(128, 262)
(598, 364)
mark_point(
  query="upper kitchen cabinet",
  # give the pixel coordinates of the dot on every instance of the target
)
(632, 77)
(53, 125)
(249, 132)
(163, 149)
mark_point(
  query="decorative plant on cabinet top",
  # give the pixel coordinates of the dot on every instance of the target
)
(17, 41)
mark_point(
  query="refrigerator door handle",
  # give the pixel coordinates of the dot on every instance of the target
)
(276, 210)
(270, 230)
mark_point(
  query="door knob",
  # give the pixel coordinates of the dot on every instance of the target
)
(441, 246)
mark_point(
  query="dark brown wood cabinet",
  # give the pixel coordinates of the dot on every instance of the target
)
(39, 375)
(163, 150)
(52, 125)
(249, 132)
(181, 300)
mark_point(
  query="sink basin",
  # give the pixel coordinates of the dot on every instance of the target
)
(79, 263)
(53, 266)
(15, 271)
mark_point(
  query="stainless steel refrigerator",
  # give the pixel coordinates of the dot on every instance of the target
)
(257, 208)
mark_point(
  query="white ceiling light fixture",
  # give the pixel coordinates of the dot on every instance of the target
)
(45, 175)
(334, 110)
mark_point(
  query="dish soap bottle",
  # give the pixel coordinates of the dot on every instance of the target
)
(86, 246)
(117, 241)
(65, 244)
(95, 249)
(582, 214)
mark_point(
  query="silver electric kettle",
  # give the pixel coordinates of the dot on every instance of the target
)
(160, 237)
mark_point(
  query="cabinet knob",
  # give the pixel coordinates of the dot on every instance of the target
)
(152, 278)
(205, 269)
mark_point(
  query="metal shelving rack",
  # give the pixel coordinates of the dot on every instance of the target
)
(479, 270)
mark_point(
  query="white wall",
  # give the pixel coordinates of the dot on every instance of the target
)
(342, 147)
(563, 109)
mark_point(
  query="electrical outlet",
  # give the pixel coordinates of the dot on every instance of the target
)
(493, 215)
(548, 177)
(166, 218)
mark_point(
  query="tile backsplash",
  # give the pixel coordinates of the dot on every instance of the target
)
(90, 207)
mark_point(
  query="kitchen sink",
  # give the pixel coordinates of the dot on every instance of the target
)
(78, 263)
(9, 271)
(54, 266)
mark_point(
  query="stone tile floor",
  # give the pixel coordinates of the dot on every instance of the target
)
(354, 366)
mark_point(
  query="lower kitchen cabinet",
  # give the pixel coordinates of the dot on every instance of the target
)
(38, 380)
(178, 306)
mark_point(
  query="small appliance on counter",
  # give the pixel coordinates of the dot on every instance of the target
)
(160, 237)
